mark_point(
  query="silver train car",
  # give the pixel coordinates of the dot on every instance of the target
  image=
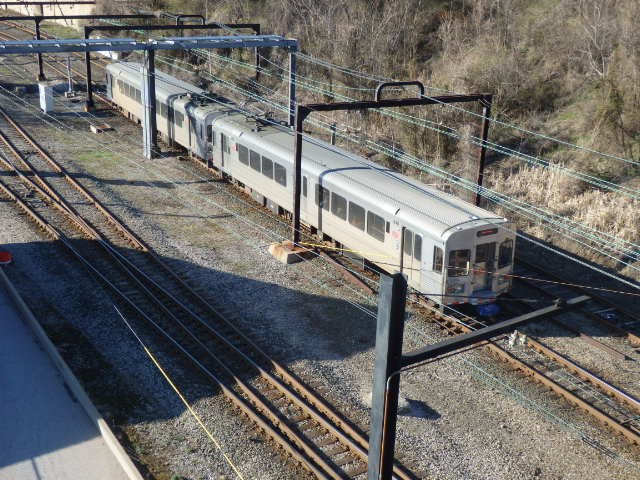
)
(453, 252)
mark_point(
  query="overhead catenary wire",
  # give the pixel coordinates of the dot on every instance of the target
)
(466, 184)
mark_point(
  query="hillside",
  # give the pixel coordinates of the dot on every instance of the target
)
(564, 68)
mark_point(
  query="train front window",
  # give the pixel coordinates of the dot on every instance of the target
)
(486, 252)
(458, 263)
(438, 256)
(506, 253)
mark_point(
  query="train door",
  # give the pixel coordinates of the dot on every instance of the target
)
(483, 266)
(412, 256)
(210, 143)
(109, 86)
(225, 149)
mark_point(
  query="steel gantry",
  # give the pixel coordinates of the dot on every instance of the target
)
(390, 362)
(303, 111)
(149, 47)
(38, 19)
(88, 29)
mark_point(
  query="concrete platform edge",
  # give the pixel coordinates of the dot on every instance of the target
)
(72, 382)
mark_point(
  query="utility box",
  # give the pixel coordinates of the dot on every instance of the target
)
(47, 89)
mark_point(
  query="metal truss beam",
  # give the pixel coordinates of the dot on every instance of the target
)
(89, 29)
(22, 47)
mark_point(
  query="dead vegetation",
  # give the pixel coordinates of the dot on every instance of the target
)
(566, 68)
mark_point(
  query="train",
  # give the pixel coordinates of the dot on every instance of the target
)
(451, 251)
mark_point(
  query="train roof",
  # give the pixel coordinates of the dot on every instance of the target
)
(393, 193)
(166, 85)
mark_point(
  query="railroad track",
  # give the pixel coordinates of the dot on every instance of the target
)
(600, 309)
(607, 404)
(301, 422)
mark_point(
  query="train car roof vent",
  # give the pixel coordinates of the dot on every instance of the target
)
(473, 217)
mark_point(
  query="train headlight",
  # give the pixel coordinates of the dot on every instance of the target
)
(455, 289)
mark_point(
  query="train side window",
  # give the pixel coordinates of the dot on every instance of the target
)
(210, 133)
(280, 174)
(387, 227)
(243, 153)
(254, 160)
(356, 215)
(408, 241)
(138, 96)
(506, 253)
(438, 256)
(323, 197)
(267, 167)
(458, 263)
(375, 226)
(339, 206)
(304, 187)
(417, 247)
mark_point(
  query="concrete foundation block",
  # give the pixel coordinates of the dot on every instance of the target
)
(287, 253)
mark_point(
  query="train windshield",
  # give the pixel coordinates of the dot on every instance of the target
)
(458, 263)
(506, 253)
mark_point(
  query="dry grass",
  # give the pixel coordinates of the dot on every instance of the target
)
(606, 212)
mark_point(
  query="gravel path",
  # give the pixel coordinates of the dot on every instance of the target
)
(468, 417)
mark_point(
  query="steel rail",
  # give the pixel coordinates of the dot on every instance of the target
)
(599, 298)
(261, 406)
(453, 326)
(235, 398)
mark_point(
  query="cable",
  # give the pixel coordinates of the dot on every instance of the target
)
(181, 396)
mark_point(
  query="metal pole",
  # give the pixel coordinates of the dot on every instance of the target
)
(87, 64)
(292, 85)
(257, 55)
(386, 383)
(402, 248)
(150, 141)
(41, 76)
(69, 78)
(333, 134)
(486, 113)
(300, 114)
